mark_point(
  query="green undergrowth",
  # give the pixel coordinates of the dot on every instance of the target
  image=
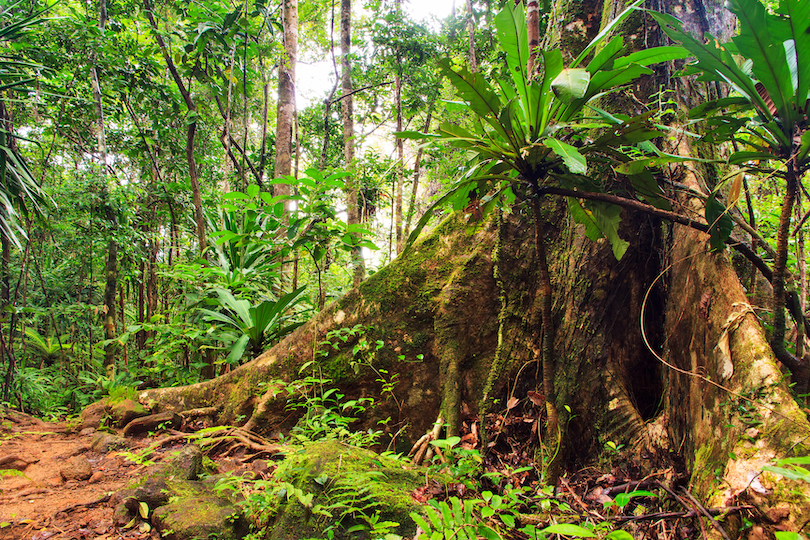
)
(331, 485)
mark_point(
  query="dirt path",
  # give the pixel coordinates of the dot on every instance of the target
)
(45, 491)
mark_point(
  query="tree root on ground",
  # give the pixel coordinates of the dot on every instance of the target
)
(422, 449)
(226, 441)
(90, 504)
(15, 462)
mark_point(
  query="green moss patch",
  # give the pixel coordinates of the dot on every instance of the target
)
(347, 482)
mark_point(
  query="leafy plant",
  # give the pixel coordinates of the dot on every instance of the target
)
(531, 137)
(327, 416)
(18, 187)
(266, 322)
(792, 468)
(768, 66)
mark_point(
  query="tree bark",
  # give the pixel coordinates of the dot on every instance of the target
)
(285, 116)
(658, 353)
(400, 145)
(193, 174)
(347, 112)
(471, 37)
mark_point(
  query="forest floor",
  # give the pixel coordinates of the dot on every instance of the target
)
(55, 484)
(40, 496)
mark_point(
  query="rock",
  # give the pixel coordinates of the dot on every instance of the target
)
(97, 477)
(76, 468)
(194, 518)
(152, 422)
(95, 415)
(125, 411)
(154, 492)
(348, 470)
(121, 514)
(105, 442)
(186, 465)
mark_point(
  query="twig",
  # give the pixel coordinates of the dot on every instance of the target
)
(707, 515)
(91, 504)
(579, 501)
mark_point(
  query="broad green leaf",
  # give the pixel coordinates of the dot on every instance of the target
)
(553, 66)
(606, 57)
(623, 499)
(768, 56)
(483, 100)
(605, 80)
(648, 189)
(720, 223)
(651, 56)
(216, 316)
(717, 104)
(575, 161)
(619, 535)
(512, 35)
(787, 535)
(568, 529)
(713, 59)
(798, 21)
(571, 84)
(608, 216)
(741, 157)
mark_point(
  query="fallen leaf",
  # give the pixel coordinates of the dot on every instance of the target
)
(537, 399)
(512, 403)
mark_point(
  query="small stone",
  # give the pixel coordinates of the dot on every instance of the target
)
(76, 468)
(105, 442)
(154, 492)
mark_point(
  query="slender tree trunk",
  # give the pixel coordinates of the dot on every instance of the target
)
(347, 110)
(471, 36)
(417, 171)
(111, 269)
(798, 366)
(185, 92)
(533, 29)
(285, 116)
(140, 337)
(400, 144)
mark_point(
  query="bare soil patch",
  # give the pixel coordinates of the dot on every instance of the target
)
(45, 494)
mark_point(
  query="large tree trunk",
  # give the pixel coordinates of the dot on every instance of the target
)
(658, 353)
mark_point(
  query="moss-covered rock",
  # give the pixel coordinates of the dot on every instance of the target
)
(125, 411)
(347, 482)
(199, 517)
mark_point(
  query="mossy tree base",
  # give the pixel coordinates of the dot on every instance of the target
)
(440, 300)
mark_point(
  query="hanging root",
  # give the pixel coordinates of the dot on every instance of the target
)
(422, 449)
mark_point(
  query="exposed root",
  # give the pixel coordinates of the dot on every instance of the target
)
(90, 504)
(15, 462)
(226, 441)
(422, 449)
